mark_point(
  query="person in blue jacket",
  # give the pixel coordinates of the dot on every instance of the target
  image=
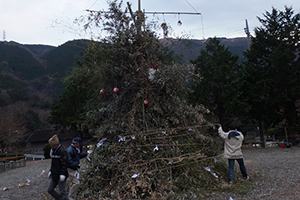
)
(75, 155)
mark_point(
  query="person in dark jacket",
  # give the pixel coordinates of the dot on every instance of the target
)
(59, 169)
(74, 155)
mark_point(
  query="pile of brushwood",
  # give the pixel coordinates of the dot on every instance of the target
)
(178, 163)
(151, 142)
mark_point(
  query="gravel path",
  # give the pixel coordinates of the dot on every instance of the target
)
(35, 171)
(274, 174)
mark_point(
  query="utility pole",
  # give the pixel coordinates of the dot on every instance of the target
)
(247, 33)
(139, 6)
(4, 36)
(140, 20)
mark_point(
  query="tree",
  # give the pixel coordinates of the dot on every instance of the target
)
(217, 80)
(69, 110)
(272, 70)
(150, 139)
(12, 127)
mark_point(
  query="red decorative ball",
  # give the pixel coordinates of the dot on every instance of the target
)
(153, 66)
(146, 102)
(115, 90)
(163, 25)
(102, 91)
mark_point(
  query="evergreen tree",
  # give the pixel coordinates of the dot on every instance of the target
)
(272, 72)
(70, 110)
(216, 81)
(152, 144)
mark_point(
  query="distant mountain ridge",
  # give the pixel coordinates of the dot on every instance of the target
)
(32, 76)
(23, 59)
(190, 49)
(39, 63)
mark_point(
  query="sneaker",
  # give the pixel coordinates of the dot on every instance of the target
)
(246, 179)
(230, 182)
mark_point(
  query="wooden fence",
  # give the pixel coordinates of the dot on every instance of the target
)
(7, 163)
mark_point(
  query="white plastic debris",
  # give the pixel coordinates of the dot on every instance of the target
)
(151, 74)
(4, 189)
(230, 198)
(165, 133)
(122, 139)
(215, 160)
(89, 151)
(207, 169)
(77, 174)
(100, 143)
(135, 175)
(89, 154)
(215, 175)
(133, 137)
(190, 129)
(155, 148)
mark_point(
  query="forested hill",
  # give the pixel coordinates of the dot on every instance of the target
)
(29, 62)
(32, 76)
(25, 68)
(34, 61)
(190, 49)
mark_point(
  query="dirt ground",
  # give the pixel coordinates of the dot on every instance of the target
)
(33, 177)
(274, 174)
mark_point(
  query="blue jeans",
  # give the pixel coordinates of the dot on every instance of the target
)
(231, 168)
(62, 189)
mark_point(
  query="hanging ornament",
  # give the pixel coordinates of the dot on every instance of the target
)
(179, 23)
(146, 102)
(164, 25)
(102, 91)
(115, 90)
(166, 33)
(165, 28)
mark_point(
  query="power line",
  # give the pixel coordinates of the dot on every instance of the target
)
(175, 13)
(93, 4)
(191, 6)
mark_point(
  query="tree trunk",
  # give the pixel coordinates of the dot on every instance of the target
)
(261, 133)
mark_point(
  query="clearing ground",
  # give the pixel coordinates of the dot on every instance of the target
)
(274, 174)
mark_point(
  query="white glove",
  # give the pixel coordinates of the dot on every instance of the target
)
(49, 174)
(220, 129)
(62, 178)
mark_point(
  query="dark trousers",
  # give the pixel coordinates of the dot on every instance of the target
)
(231, 168)
(62, 189)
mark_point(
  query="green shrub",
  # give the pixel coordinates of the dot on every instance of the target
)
(46, 150)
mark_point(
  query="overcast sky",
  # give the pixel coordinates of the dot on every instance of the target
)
(50, 22)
